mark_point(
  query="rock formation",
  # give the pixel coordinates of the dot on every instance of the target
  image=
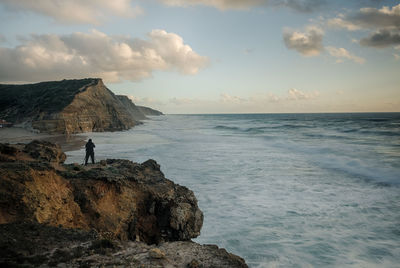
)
(149, 111)
(68, 106)
(132, 108)
(54, 213)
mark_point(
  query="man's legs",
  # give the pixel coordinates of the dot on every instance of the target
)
(92, 156)
(86, 158)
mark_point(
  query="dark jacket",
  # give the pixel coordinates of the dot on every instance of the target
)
(89, 147)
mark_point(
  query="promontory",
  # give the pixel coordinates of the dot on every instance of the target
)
(69, 106)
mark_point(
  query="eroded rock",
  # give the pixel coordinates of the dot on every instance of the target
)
(128, 200)
(117, 213)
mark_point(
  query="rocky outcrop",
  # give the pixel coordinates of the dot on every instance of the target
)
(34, 245)
(128, 200)
(149, 111)
(117, 207)
(68, 106)
(131, 107)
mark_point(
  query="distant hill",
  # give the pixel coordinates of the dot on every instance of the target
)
(68, 106)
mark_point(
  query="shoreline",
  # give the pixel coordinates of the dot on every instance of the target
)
(14, 135)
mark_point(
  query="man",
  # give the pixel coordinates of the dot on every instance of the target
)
(89, 151)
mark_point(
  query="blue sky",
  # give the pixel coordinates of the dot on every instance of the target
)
(213, 56)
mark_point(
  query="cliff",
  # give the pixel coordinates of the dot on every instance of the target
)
(149, 111)
(67, 106)
(116, 212)
(134, 110)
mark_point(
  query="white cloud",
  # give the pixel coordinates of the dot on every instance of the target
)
(342, 53)
(308, 43)
(396, 56)
(76, 11)
(49, 57)
(295, 94)
(292, 94)
(341, 23)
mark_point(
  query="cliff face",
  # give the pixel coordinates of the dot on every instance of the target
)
(120, 212)
(131, 107)
(68, 106)
(128, 200)
(149, 111)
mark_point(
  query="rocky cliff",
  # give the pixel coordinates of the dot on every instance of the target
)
(131, 107)
(67, 106)
(116, 212)
(149, 111)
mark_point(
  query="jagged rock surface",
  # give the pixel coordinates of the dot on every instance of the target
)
(34, 245)
(67, 106)
(113, 214)
(124, 199)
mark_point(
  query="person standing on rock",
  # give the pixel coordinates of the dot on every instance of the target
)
(89, 151)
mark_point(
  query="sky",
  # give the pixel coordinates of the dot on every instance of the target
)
(213, 56)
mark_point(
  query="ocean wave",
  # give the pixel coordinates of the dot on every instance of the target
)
(220, 127)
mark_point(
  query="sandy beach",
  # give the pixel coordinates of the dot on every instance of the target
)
(15, 135)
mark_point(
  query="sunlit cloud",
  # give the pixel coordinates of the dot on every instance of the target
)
(307, 43)
(95, 54)
(76, 11)
(342, 54)
(295, 94)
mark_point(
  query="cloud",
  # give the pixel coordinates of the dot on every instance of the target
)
(298, 5)
(396, 56)
(308, 43)
(295, 94)
(385, 22)
(370, 18)
(342, 53)
(292, 94)
(49, 57)
(381, 39)
(75, 11)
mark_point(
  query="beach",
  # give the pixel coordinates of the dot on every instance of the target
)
(15, 135)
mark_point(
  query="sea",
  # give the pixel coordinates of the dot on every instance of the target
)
(281, 190)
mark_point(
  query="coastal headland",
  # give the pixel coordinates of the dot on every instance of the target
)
(69, 106)
(115, 213)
